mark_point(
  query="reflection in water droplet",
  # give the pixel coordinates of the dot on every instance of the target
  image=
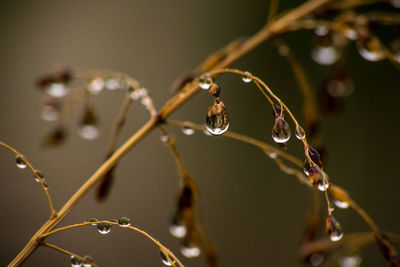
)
(187, 130)
(333, 229)
(281, 130)
(246, 77)
(88, 131)
(57, 90)
(103, 227)
(165, 260)
(20, 163)
(124, 222)
(76, 262)
(350, 261)
(96, 85)
(190, 251)
(217, 121)
(325, 55)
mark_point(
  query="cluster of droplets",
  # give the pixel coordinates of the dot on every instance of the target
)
(217, 120)
(98, 84)
(86, 261)
(38, 175)
(104, 227)
(142, 94)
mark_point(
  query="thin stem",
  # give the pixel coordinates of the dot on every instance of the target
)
(66, 252)
(34, 172)
(155, 241)
(273, 10)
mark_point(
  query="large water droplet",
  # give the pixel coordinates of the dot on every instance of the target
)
(165, 260)
(88, 261)
(57, 89)
(281, 130)
(333, 229)
(76, 262)
(20, 163)
(217, 121)
(325, 55)
(247, 77)
(350, 261)
(88, 131)
(205, 81)
(190, 251)
(186, 129)
(103, 227)
(124, 222)
(300, 134)
(96, 85)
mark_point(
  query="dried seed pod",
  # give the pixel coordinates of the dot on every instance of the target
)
(387, 251)
(333, 229)
(104, 188)
(214, 90)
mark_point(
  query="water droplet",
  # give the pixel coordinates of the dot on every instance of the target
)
(96, 85)
(205, 81)
(190, 251)
(103, 227)
(57, 89)
(217, 121)
(341, 204)
(164, 259)
(164, 138)
(45, 184)
(124, 222)
(20, 163)
(350, 261)
(93, 221)
(325, 55)
(76, 262)
(281, 130)
(300, 134)
(186, 129)
(88, 131)
(333, 229)
(369, 53)
(178, 230)
(112, 84)
(316, 259)
(247, 77)
(40, 175)
(50, 112)
(88, 261)
(272, 154)
(321, 30)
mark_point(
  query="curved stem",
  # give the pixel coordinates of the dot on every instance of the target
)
(66, 252)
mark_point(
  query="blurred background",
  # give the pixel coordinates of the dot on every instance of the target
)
(254, 213)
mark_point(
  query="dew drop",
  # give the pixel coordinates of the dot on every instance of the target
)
(281, 130)
(186, 129)
(96, 85)
(178, 230)
(164, 259)
(88, 261)
(112, 84)
(272, 155)
(49, 112)
(88, 131)
(45, 184)
(93, 221)
(20, 163)
(164, 138)
(205, 81)
(333, 229)
(217, 121)
(246, 77)
(76, 262)
(300, 134)
(316, 259)
(190, 251)
(321, 30)
(325, 55)
(103, 227)
(57, 89)
(40, 175)
(350, 261)
(369, 53)
(124, 222)
(341, 204)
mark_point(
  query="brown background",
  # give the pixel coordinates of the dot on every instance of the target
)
(254, 213)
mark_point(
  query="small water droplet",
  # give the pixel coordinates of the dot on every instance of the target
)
(93, 221)
(88, 131)
(76, 262)
(316, 259)
(40, 175)
(124, 222)
(103, 227)
(112, 84)
(45, 184)
(96, 85)
(370, 54)
(272, 154)
(333, 228)
(88, 261)
(190, 251)
(164, 138)
(50, 112)
(341, 204)
(350, 261)
(247, 77)
(217, 121)
(369, 46)
(281, 130)
(165, 260)
(321, 30)
(186, 129)
(325, 55)
(178, 230)
(20, 163)
(57, 89)
(300, 134)
(205, 81)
